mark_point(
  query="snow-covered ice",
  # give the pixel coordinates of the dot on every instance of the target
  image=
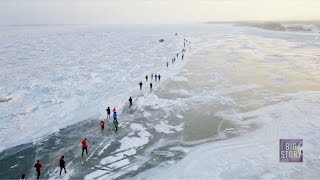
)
(219, 114)
(256, 155)
(53, 77)
(141, 139)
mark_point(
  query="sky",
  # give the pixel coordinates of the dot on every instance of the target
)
(153, 11)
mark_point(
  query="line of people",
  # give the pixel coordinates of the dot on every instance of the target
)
(183, 51)
(157, 77)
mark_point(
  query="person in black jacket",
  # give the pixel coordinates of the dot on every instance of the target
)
(62, 165)
(130, 101)
(108, 112)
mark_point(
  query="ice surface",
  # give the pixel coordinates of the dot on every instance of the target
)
(265, 77)
(167, 129)
(112, 159)
(53, 77)
(135, 141)
(240, 91)
(259, 150)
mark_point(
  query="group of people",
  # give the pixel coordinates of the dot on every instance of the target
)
(115, 118)
(183, 51)
(84, 142)
(157, 77)
(62, 165)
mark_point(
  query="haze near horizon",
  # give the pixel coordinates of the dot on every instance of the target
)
(153, 11)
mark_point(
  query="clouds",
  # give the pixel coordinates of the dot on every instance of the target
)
(152, 11)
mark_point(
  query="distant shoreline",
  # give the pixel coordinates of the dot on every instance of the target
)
(254, 22)
(312, 26)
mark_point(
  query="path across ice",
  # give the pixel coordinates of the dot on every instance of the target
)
(60, 76)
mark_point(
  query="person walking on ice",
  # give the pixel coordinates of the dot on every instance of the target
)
(155, 77)
(151, 76)
(38, 167)
(62, 165)
(108, 112)
(130, 101)
(159, 76)
(85, 146)
(115, 115)
(151, 86)
(102, 123)
(140, 84)
(147, 77)
(115, 123)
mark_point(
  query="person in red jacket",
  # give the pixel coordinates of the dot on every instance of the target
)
(38, 167)
(85, 146)
(102, 123)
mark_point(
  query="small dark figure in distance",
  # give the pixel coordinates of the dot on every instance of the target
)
(62, 165)
(130, 101)
(108, 112)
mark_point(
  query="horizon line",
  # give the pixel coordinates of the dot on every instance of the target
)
(203, 22)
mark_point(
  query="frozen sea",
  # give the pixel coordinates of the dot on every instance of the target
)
(218, 114)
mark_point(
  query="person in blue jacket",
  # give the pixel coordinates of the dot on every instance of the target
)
(115, 115)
